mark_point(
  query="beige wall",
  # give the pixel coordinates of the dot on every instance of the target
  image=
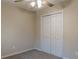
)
(69, 27)
(18, 30)
(70, 30)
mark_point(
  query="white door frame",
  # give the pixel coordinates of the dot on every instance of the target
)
(51, 13)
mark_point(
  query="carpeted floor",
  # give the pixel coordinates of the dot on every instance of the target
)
(33, 54)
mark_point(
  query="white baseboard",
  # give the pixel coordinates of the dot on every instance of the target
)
(65, 58)
(15, 53)
(41, 50)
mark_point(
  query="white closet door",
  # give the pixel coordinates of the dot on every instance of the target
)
(57, 34)
(45, 34)
(52, 34)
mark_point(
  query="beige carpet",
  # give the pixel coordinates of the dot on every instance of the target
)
(33, 54)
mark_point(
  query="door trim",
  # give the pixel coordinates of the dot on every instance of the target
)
(52, 13)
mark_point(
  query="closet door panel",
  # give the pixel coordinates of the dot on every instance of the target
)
(45, 30)
(42, 33)
(52, 40)
(56, 34)
(59, 34)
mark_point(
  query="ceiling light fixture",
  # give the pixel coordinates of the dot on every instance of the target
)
(32, 4)
(39, 3)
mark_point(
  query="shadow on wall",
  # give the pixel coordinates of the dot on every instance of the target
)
(65, 3)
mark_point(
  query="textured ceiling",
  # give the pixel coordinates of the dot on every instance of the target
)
(26, 4)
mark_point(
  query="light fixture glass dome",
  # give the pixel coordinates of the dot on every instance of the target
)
(37, 3)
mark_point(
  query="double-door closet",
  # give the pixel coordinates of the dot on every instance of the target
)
(51, 33)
